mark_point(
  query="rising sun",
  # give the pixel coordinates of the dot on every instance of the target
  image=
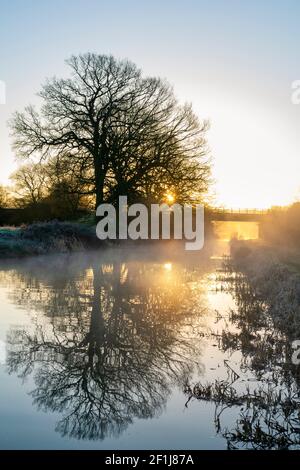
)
(170, 198)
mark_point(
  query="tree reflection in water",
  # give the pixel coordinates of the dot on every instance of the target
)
(110, 344)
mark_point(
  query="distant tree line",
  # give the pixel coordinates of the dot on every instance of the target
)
(43, 193)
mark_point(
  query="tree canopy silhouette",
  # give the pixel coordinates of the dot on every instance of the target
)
(119, 132)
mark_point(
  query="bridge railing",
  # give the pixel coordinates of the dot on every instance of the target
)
(254, 211)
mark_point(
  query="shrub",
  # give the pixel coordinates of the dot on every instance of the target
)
(46, 237)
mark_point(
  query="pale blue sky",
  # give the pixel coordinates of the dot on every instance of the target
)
(234, 60)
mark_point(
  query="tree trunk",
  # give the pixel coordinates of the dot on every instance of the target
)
(99, 192)
(99, 180)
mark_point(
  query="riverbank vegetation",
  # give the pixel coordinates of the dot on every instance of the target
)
(46, 237)
(261, 393)
(280, 232)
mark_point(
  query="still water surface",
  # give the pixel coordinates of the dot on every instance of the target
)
(98, 350)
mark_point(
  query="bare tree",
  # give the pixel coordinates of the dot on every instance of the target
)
(5, 197)
(30, 183)
(118, 131)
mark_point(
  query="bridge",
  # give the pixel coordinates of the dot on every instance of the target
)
(238, 215)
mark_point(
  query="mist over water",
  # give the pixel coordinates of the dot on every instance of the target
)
(100, 349)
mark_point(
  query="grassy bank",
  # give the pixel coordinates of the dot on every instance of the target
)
(46, 237)
(274, 281)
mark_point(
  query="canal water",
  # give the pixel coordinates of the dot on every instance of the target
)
(106, 350)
